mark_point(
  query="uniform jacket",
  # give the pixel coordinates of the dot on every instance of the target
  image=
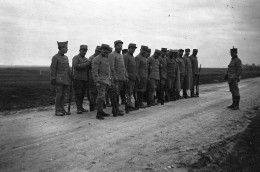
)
(101, 70)
(188, 74)
(153, 68)
(60, 69)
(182, 68)
(141, 66)
(163, 67)
(130, 66)
(117, 66)
(80, 69)
(234, 69)
(172, 66)
(194, 64)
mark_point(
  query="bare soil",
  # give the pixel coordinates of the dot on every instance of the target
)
(197, 134)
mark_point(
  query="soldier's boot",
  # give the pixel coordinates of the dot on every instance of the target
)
(231, 106)
(127, 108)
(114, 110)
(100, 116)
(192, 93)
(236, 103)
(100, 110)
(105, 114)
(136, 104)
(91, 106)
(140, 97)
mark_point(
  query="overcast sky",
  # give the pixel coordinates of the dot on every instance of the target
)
(30, 29)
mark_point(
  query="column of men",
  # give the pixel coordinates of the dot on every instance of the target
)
(107, 75)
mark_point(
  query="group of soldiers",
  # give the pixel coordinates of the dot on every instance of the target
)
(107, 75)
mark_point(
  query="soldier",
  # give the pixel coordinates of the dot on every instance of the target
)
(195, 71)
(172, 67)
(163, 76)
(119, 76)
(130, 66)
(81, 66)
(101, 76)
(153, 77)
(60, 77)
(145, 94)
(188, 73)
(141, 75)
(92, 86)
(123, 89)
(233, 76)
(107, 103)
(182, 70)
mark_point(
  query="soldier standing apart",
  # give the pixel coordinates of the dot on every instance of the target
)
(172, 67)
(119, 76)
(101, 76)
(188, 73)
(153, 77)
(130, 66)
(182, 69)
(195, 70)
(60, 77)
(163, 76)
(141, 75)
(92, 86)
(233, 76)
(81, 66)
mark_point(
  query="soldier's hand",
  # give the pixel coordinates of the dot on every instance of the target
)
(226, 77)
(53, 82)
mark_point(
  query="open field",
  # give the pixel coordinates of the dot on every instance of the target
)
(25, 87)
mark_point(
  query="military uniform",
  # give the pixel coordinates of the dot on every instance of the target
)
(92, 86)
(188, 74)
(195, 71)
(130, 66)
(172, 68)
(153, 77)
(119, 76)
(234, 75)
(163, 76)
(101, 75)
(60, 77)
(141, 75)
(182, 69)
(81, 66)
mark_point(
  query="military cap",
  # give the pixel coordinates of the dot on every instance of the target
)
(174, 51)
(105, 46)
(83, 47)
(233, 49)
(132, 45)
(164, 49)
(181, 50)
(187, 50)
(157, 51)
(117, 42)
(143, 47)
(62, 44)
(125, 50)
(195, 50)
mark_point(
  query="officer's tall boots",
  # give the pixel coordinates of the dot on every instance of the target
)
(236, 103)
(100, 109)
(233, 100)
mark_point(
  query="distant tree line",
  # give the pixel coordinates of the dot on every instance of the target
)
(251, 66)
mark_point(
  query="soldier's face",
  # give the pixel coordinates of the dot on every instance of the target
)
(131, 50)
(187, 53)
(195, 53)
(83, 52)
(233, 54)
(104, 52)
(181, 54)
(118, 47)
(143, 52)
(64, 49)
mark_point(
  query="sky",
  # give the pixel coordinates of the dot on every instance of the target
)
(29, 29)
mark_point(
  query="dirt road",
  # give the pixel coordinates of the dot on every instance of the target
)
(160, 138)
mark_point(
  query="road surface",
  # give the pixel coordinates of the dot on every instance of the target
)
(159, 138)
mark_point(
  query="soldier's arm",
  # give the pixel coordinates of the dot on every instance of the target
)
(53, 67)
(94, 71)
(137, 60)
(77, 64)
(111, 59)
(238, 68)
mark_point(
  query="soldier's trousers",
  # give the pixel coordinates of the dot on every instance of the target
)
(161, 88)
(80, 89)
(233, 87)
(129, 86)
(123, 93)
(101, 94)
(107, 94)
(114, 93)
(93, 92)
(170, 87)
(152, 86)
(62, 92)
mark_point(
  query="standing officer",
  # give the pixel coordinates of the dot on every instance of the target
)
(119, 76)
(233, 76)
(195, 70)
(141, 75)
(101, 76)
(81, 67)
(130, 66)
(92, 86)
(163, 76)
(182, 69)
(188, 73)
(172, 67)
(60, 77)
(153, 77)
